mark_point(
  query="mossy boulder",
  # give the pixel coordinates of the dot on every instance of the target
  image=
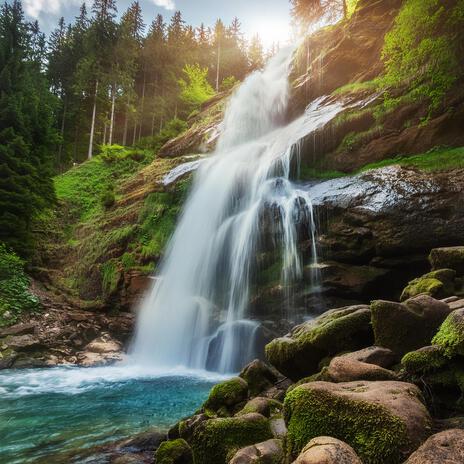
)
(449, 258)
(327, 450)
(405, 327)
(264, 406)
(382, 421)
(226, 395)
(450, 337)
(298, 354)
(439, 284)
(217, 440)
(259, 376)
(268, 452)
(424, 360)
(174, 452)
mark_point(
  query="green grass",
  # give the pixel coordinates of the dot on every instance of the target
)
(356, 87)
(435, 160)
(308, 173)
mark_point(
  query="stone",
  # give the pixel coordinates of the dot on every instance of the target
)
(268, 452)
(23, 342)
(384, 422)
(450, 337)
(147, 441)
(298, 354)
(259, 376)
(103, 344)
(19, 329)
(265, 406)
(187, 426)
(439, 284)
(216, 440)
(227, 394)
(423, 360)
(278, 427)
(449, 258)
(443, 448)
(90, 359)
(377, 355)
(327, 450)
(347, 369)
(174, 452)
(404, 327)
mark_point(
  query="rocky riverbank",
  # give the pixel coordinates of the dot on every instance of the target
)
(377, 384)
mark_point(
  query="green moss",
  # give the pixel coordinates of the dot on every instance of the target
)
(450, 337)
(227, 394)
(374, 433)
(356, 87)
(216, 440)
(174, 452)
(424, 360)
(265, 406)
(110, 276)
(429, 286)
(310, 173)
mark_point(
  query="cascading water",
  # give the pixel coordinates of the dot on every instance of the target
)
(196, 313)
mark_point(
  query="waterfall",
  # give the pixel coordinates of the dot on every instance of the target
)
(196, 314)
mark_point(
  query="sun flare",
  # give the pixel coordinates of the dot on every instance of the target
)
(271, 31)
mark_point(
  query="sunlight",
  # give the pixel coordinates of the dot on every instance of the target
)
(271, 30)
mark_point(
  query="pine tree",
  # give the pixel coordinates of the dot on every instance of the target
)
(256, 54)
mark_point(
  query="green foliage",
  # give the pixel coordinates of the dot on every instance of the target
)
(170, 131)
(110, 276)
(196, 89)
(229, 83)
(15, 297)
(420, 51)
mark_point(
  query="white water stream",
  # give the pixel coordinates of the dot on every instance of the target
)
(196, 313)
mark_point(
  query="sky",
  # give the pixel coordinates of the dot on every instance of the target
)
(269, 18)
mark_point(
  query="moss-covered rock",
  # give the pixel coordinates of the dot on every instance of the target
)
(424, 360)
(449, 258)
(450, 337)
(383, 421)
(405, 327)
(217, 440)
(224, 396)
(264, 406)
(174, 452)
(259, 376)
(268, 452)
(439, 284)
(298, 354)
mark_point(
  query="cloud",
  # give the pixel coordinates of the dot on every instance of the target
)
(36, 8)
(168, 4)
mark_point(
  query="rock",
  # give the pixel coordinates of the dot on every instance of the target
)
(383, 421)
(268, 452)
(299, 353)
(103, 344)
(448, 258)
(278, 427)
(174, 452)
(264, 406)
(23, 342)
(147, 441)
(187, 426)
(443, 448)
(327, 450)
(89, 359)
(259, 376)
(227, 395)
(19, 329)
(7, 358)
(423, 360)
(450, 337)
(214, 440)
(439, 284)
(128, 459)
(377, 355)
(347, 369)
(404, 327)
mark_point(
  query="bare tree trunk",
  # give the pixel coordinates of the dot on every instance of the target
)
(142, 105)
(63, 122)
(126, 125)
(113, 104)
(105, 127)
(218, 65)
(134, 138)
(153, 124)
(92, 129)
(161, 123)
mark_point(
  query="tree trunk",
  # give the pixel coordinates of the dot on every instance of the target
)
(63, 122)
(142, 106)
(134, 138)
(92, 129)
(218, 65)
(113, 103)
(105, 127)
(153, 124)
(126, 125)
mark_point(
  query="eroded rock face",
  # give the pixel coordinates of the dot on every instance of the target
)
(448, 258)
(298, 354)
(327, 450)
(443, 448)
(383, 421)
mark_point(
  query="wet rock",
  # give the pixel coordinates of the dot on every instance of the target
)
(382, 421)
(23, 342)
(327, 450)
(7, 358)
(404, 327)
(103, 344)
(448, 258)
(298, 354)
(439, 284)
(268, 452)
(147, 441)
(186, 427)
(227, 395)
(174, 452)
(450, 337)
(214, 440)
(101, 351)
(443, 448)
(259, 376)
